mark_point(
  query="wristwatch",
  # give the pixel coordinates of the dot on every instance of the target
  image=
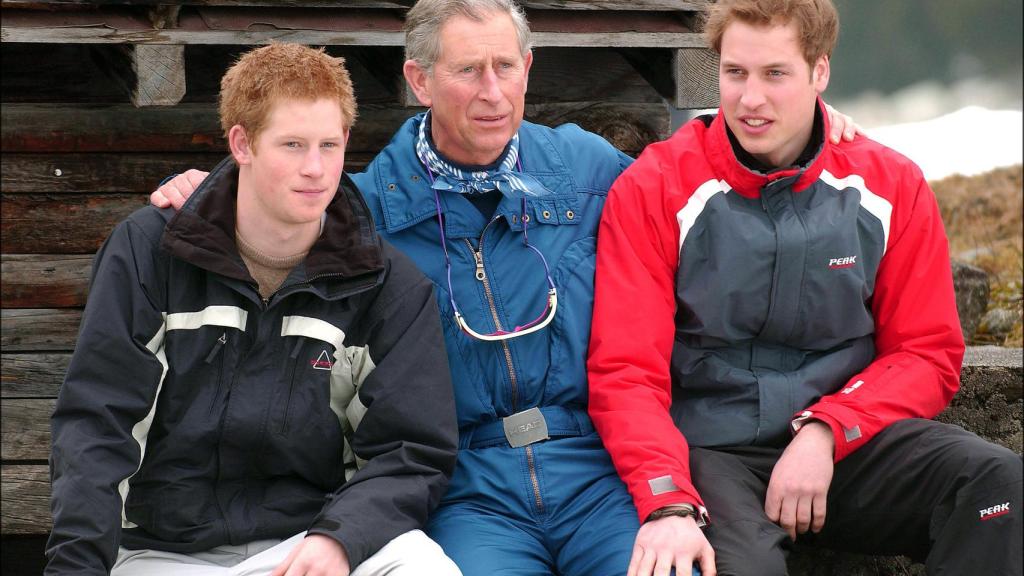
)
(681, 510)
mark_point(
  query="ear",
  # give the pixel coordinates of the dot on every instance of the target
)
(528, 61)
(418, 80)
(240, 146)
(820, 74)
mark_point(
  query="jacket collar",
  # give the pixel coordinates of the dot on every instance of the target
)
(202, 233)
(406, 198)
(749, 182)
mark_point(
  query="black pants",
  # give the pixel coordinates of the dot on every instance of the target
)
(924, 489)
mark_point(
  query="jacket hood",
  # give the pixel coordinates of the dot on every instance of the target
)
(748, 182)
(202, 233)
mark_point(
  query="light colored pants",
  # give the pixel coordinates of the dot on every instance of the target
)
(408, 554)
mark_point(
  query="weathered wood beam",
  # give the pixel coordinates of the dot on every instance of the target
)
(44, 330)
(44, 281)
(32, 375)
(25, 425)
(337, 27)
(75, 173)
(96, 172)
(25, 489)
(696, 77)
(156, 74)
(192, 127)
(183, 128)
(646, 5)
(62, 224)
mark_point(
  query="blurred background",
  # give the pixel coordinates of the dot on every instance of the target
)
(912, 60)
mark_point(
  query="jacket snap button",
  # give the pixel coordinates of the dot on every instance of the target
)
(526, 217)
(570, 214)
(546, 214)
(391, 186)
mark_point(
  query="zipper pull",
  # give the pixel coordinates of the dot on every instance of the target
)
(216, 347)
(480, 274)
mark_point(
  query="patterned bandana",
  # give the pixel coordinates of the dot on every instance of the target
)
(511, 183)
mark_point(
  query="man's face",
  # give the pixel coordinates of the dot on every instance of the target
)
(768, 91)
(293, 172)
(476, 90)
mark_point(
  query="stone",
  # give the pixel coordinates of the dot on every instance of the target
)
(971, 285)
(998, 322)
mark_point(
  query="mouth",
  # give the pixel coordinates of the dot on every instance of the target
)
(491, 119)
(755, 124)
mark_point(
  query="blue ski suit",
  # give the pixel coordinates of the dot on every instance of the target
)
(554, 506)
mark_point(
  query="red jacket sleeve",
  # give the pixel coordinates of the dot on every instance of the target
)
(632, 337)
(918, 342)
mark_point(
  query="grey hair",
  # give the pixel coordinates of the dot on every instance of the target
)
(424, 21)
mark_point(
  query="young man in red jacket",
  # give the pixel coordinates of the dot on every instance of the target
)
(790, 331)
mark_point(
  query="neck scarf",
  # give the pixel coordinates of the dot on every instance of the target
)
(504, 178)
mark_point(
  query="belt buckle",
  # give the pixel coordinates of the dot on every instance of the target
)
(525, 428)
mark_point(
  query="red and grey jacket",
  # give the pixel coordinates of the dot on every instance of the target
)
(196, 414)
(731, 305)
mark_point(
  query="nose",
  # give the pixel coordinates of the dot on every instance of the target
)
(313, 163)
(490, 89)
(753, 94)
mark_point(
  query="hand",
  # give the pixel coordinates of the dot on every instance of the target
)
(841, 126)
(316, 555)
(177, 190)
(798, 489)
(670, 542)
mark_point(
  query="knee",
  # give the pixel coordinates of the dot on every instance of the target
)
(752, 563)
(747, 550)
(995, 465)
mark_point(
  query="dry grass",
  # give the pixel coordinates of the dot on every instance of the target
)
(983, 220)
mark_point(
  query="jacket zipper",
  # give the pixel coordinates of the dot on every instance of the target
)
(220, 373)
(293, 363)
(481, 275)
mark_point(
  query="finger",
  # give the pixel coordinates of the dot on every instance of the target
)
(803, 514)
(195, 177)
(634, 561)
(663, 566)
(685, 564)
(820, 505)
(707, 562)
(281, 568)
(159, 200)
(772, 503)
(787, 516)
(646, 563)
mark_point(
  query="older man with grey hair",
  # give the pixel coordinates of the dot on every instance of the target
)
(502, 214)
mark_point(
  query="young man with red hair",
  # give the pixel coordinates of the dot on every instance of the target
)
(259, 385)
